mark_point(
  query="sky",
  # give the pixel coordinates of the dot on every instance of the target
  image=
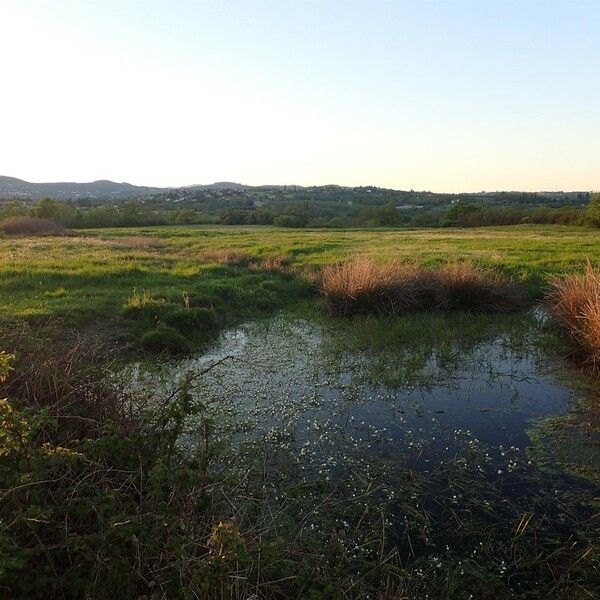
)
(443, 96)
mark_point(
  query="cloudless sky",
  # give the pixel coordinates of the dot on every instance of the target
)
(442, 96)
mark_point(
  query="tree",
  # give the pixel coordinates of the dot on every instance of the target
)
(185, 216)
(457, 214)
(593, 210)
(13, 209)
(46, 208)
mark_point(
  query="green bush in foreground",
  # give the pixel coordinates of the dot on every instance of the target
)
(117, 514)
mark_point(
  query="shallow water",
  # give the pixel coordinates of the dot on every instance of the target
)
(284, 380)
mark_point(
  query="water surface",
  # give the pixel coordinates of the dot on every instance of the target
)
(288, 379)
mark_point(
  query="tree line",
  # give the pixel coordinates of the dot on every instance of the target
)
(303, 215)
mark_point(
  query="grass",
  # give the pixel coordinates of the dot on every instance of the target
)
(575, 304)
(99, 500)
(82, 278)
(363, 286)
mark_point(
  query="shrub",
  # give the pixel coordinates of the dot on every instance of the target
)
(574, 303)
(164, 339)
(98, 498)
(64, 373)
(30, 226)
(363, 286)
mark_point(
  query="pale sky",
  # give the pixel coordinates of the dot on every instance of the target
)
(443, 96)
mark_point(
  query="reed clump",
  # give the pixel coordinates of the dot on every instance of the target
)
(366, 287)
(574, 302)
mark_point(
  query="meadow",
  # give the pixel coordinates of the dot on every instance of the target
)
(270, 448)
(91, 274)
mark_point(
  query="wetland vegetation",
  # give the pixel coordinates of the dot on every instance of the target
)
(184, 419)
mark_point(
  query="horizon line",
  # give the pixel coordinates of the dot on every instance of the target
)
(237, 183)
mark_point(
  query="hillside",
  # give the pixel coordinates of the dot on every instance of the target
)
(18, 188)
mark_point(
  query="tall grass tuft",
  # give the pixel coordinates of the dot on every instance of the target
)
(240, 258)
(464, 287)
(363, 286)
(574, 302)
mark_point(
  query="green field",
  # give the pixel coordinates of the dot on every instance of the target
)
(92, 273)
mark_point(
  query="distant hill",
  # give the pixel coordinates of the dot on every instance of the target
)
(221, 195)
(219, 185)
(11, 187)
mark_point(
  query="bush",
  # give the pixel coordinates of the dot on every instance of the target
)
(593, 210)
(30, 226)
(98, 499)
(164, 339)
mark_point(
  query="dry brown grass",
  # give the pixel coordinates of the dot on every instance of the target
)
(66, 373)
(363, 286)
(273, 263)
(241, 258)
(575, 304)
(228, 256)
(27, 226)
(464, 287)
(141, 242)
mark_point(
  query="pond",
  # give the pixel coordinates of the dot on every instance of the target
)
(376, 452)
(286, 378)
